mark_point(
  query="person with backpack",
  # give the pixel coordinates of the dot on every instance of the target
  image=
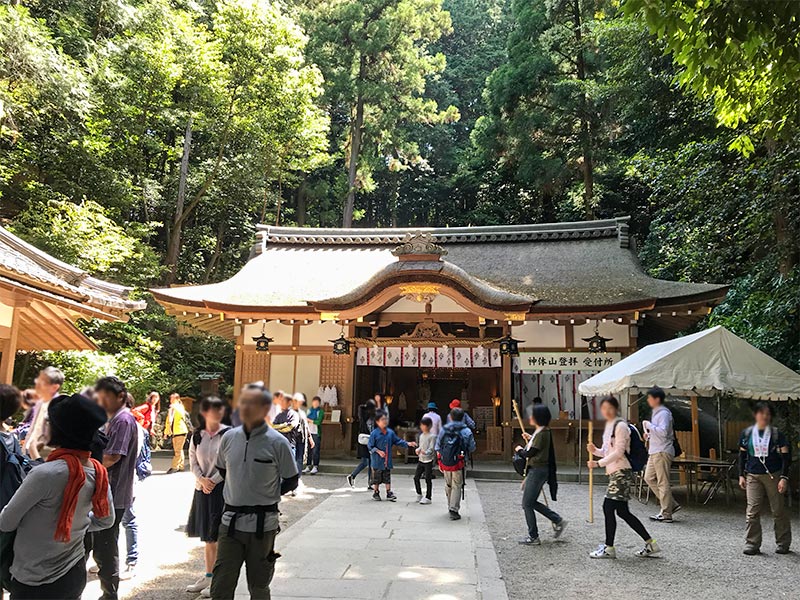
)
(454, 445)
(620, 450)
(57, 503)
(660, 435)
(380, 444)
(764, 463)
(15, 465)
(540, 469)
(208, 503)
(473, 427)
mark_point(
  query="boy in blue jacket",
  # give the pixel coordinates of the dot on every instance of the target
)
(380, 445)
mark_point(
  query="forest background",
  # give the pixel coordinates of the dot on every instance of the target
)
(142, 140)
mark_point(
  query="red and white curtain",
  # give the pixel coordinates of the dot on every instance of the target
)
(557, 389)
(444, 357)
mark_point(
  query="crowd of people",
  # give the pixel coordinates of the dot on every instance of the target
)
(71, 465)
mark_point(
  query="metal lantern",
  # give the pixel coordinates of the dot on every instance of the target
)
(597, 343)
(509, 346)
(341, 345)
(262, 341)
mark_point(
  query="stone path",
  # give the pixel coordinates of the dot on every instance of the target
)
(353, 547)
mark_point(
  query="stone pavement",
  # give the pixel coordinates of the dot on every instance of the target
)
(352, 547)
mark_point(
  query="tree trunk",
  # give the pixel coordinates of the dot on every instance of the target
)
(302, 198)
(395, 193)
(356, 130)
(174, 245)
(586, 126)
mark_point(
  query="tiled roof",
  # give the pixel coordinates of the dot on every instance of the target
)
(26, 264)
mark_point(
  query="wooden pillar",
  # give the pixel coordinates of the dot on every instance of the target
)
(695, 427)
(237, 367)
(507, 393)
(10, 346)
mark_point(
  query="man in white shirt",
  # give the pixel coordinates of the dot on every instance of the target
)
(47, 385)
(660, 434)
(433, 415)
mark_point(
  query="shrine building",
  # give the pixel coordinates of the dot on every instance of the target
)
(488, 315)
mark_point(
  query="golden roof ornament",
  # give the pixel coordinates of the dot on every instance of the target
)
(419, 244)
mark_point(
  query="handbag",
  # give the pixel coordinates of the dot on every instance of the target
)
(363, 439)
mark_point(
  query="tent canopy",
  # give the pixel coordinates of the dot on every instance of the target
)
(703, 364)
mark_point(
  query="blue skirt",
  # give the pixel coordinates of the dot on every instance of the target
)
(206, 514)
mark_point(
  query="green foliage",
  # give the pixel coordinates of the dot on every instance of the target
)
(740, 53)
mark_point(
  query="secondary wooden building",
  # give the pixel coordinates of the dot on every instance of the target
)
(41, 298)
(424, 312)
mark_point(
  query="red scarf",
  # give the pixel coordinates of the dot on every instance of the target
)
(77, 477)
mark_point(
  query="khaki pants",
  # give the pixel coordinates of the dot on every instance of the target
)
(177, 449)
(453, 481)
(760, 490)
(657, 477)
(258, 556)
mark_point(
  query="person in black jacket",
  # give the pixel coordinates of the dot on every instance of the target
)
(366, 423)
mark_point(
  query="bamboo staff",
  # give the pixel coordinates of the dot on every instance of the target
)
(591, 478)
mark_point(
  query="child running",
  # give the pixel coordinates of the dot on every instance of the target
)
(426, 453)
(380, 445)
(614, 457)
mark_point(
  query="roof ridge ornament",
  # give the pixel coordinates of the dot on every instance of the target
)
(419, 244)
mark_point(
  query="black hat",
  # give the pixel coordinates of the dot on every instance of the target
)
(74, 420)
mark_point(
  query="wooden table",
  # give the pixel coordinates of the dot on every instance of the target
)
(719, 471)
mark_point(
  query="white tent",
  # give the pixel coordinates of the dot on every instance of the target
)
(702, 364)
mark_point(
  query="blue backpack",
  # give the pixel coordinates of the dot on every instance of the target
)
(144, 467)
(451, 448)
(15, 466)
(637, 455)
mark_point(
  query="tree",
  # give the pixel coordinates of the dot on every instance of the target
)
(376, 59)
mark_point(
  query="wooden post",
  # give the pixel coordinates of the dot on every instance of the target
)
(507, 385)
(695, 427)
(237, 367)
(10, 347)
(591, 477)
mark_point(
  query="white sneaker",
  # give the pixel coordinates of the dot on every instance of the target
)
(206, 593)
(603, 551)
(94, 569)
(199, 585)
(425, 501)
(307, 470)
(419, 498)
(650, 549)
(313, 471)
(129, 572)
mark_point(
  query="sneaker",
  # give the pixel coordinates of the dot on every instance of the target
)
(419, 498)
(751, 550)
(293, 493)
(391, 497)
(376, 496)
(206, 593)
(659, 518)
(350, 481)
(425, 501)
(129, 572)
(529, 541)
(559, 528)
(313, 471)
(454, 516)
(199, 585)
(603, 551)
(782, 550)
(677, 508)
(94, 569)
(307, 470)
(650, 549)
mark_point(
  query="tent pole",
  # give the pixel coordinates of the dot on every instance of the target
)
(580, 439)
(695, 426)
(719, 425)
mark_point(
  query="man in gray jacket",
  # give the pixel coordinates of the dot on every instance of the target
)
(259, 467)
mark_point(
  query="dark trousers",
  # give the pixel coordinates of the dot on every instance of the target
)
(299, 455)
(67, 587)
(427, 470)
(258, 556)
(317, 449)
(620, 507)
(360, 466)
(534, 482)
(105, 548)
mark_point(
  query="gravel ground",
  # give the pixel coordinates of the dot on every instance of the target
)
(169, 561)
(702, 552)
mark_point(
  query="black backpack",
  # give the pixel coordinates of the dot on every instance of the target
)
(451, 448)
(15, 467)
(637, 455)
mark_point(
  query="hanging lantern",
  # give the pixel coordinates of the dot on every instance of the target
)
(341, 345)
(508, 345)
(262, 341)
(597, 343)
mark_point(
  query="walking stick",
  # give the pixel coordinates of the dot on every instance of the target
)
(591, 479)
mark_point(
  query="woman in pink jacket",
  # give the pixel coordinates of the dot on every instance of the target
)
(614, 457)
